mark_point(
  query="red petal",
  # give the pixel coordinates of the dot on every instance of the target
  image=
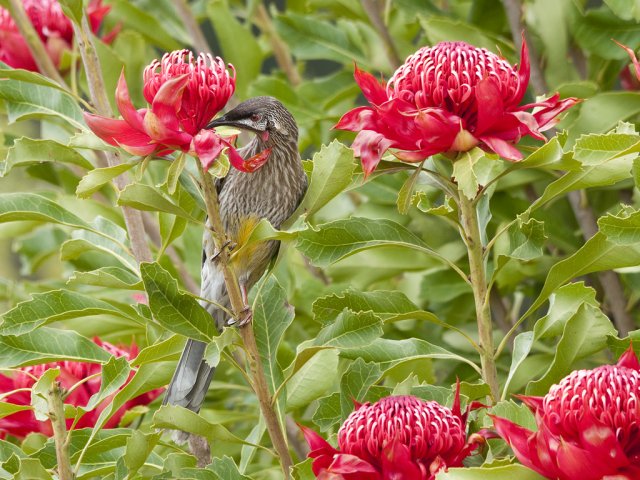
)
(352, 467)
(490, 105)
(126, 108)
(519, 438)
(163, 134)
(361, 118)
(370, 146)
(629, 359)
(534, 403)
(398, 465)
(120, 133)
(523, 72)
(167, 101)
(372, 90)
(634, 59)
(316, 443)
(502, 148)
(208, 146)
(551, 108)
(249, 165)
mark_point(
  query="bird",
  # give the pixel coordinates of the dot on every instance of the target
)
(273, 192)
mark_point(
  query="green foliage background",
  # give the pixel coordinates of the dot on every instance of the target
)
(376, 307)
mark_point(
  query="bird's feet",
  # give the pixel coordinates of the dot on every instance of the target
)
(227, 244)
(244, 319)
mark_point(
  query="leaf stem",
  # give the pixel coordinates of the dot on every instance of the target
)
(470, 232)
(259, 382)
(58, 422)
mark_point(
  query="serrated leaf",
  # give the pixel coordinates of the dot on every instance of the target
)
(27, 151)
(334, 241)
(98, 177)
(272, 314)
(7, 408)
(49, 345)
(585, 333)
(355, 383)
(549, 156)
(621, 230)
(226, 469)
(139, 447)
(144, 197)
(383, 303)
(507, 472)
(114, 374)
(108, 277)
(526, 239)
(474, 169)
(40, 393)
(350, 330)
(329, 411)
(176, 311)
(517, 413)
(50, 307)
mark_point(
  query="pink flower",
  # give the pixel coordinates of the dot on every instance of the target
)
(396, 438)
(20, 424)
(448, 98)
(53, 27)
(185, 93)
(629, 82)
(588, 425)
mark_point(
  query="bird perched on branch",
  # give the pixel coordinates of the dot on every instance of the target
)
(272, 192)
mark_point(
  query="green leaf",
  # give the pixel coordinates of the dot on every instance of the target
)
(405, 195)
(526, 239)
(26, 76)
(549, 156)
(389, 353)
(313, 380)
(329, 411)
(474, 169)
(166, 350)
(602, 112)
(585, 333)
(355, 383)
(596, 255)
(239, 45)
(625, 9)
(521, 348)
(50, 307)
(176, 311)
(594, 31)
(271, 317)
(73, 9)
(226, 469)
(506, 472)
(27, 151)
(49, 345)
(108, 277)
(144, 197)
(333, 168)
(139, 447)
(30, 100)
(114, 374)
(29, 206)
(310, 38)
(621, 230)
(178, 418)
(383, 303)
(516, 412)
(7, 408)
(98, 177)
(336, 240)
(440, 29)
(143, 22)
(350, 330)
(40, 391)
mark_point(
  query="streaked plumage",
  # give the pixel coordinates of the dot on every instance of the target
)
(272, 192)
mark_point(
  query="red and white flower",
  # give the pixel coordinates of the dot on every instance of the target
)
(588, 425)
(21, 423)
(396, 438)
(185, 92)
(448, 98)
(53, 27)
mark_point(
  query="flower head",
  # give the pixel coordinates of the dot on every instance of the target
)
(588, 425)
(22, 423)
(399, 438)
(185, 92)
(448, 98)
(53, 27)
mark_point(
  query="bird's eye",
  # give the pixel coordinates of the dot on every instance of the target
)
(255, 117)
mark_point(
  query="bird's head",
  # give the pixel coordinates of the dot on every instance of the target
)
(272, 123)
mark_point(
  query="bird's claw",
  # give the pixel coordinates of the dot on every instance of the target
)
(227, 244)
(246, 316)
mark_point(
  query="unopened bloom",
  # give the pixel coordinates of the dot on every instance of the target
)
(448, 98)
(588, 425)
(51, 25)
(396, 438)
(185, 93)
(21, 423)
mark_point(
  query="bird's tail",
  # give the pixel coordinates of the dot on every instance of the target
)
(191, 379)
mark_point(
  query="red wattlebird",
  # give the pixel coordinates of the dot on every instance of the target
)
(272, 192)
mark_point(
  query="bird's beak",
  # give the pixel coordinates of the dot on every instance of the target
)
(220, 121)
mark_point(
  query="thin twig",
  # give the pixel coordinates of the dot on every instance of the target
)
(280, 48)
(610, 280)
(132, 217)
(36, 47)
(191, 24)
(259, 382)
(372, 9)
(58, 422)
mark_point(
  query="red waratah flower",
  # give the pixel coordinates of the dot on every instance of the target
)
(53, 27)
(448, 98)
(24, 422)
(588, 425)
(396, 438)
(185, 93)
